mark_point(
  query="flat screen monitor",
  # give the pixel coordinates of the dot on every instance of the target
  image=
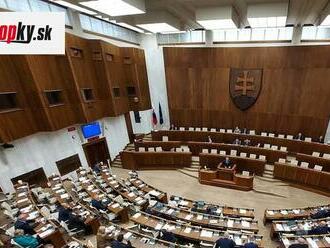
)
(91, 130)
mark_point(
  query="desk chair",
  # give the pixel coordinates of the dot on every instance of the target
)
(245, 173)
(165, 138)
(181, 128)
(142, 149)
(252, 132)
(326, 155)
(282, 160)
(214, 151)
(151, 149)
(222, 152)
(294, 162)
(308, 139)
(304, 165)
(262, 157)
(191, 129)
(243, 154)
(281, 136)
(198, 129)
(283, 149)
(274, 147)
(271, 135)
(159, 149)
(252, 155)
(267, 146)
(290, 137)
(316, 154)
(213, 130)
(204, 129)
(318, 167)
(233, 153)
(222, 130)
(229, 130)
(205, 150)
(263, 134)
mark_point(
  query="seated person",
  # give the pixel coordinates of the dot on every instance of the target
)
(237, 142)
(97, 168)
(301, 243)
(25, 240)
(227, 163)
(102, 238)
(172, 127)
(299, 137)
(251, 244)
(209, 139)
(96, 203)
(322, 228)
(322, 213)
(64, 212)
(321, 139)
(244, 131)
(172, 202)
(225, 242)
(119, 243)
(26, 225)
(246, 142)
(237, 130)
(167, 236)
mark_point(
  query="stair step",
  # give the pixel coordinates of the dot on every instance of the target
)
(268, 176)
(268, 173)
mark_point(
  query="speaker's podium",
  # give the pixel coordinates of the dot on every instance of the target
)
(226, 177)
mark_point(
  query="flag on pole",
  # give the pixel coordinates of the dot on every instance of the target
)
(154, 117)
(161, 120)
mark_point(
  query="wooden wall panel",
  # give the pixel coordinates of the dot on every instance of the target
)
(293, 98)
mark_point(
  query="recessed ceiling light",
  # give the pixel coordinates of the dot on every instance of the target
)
(217, 24)
(123, 24)
(326, 21)
(115, 7)
(75, 7)
(158, 27)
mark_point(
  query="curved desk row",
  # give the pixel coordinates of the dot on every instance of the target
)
(313, 160)
(196, 148)
(321, 241)
(306, 177)
(295, 146)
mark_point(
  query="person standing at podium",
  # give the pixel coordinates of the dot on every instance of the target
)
(227, 163)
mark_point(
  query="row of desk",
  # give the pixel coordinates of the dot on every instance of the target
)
(196, 148)
(294, 146)
(313, 160)
(315, 241)
(310, 178)
(189, 232)
(201, 206)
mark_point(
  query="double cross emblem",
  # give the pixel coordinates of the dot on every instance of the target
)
(244, 83)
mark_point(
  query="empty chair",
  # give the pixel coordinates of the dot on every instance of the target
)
(274, 147)
(214, 151)
(263, 134)
(304, 165)
(262, 157)
(213, 130)
(186, 149)
(326, 155)
(318, 168)
(243, 154)
(252, 132)
(204, 129)
(271, 135)
(252, 155)
(289, 137)
(165, 138)
(233, 152)
(316, 154)
(205, 150)
(159, 149)
(181, 128)
(308, 139)
(281, 136)
(151, 149)
(283, 148)
(222, 152)
(282, 160)
(294, 162)
(267, 145)
(222, 130)
(178, 149)
(191, 129)
(142, 149)
(229, 130)
(197, 129)
(245, 173)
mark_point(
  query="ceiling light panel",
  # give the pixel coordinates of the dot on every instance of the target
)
(123, 24)
(117, 7)
(217, 17)
(158, 27)
(75, 7)
(326, 21)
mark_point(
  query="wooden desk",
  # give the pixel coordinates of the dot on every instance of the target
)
(161, 196)
(155, 160)
(197, 147)
(320, 240)
(306, 177)
(255, 166)
(220, 178)
(312, 160)
(293, 146)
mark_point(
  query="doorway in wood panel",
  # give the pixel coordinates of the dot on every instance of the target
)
(96, 151)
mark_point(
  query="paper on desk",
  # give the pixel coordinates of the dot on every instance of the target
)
(116, 205)
(154, 193)
(230, 223)
(45, 233)
(312, 243)
(199, 217)
(59, 191)
(207, 234)
(189, 216)
(127, 235)
(66, 195)
(131, 194)
(158, 226)
(213, 221)
(187, 230)
(137, 215)
(245, 223)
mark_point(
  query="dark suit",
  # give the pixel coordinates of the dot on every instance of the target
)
(168, 236)
(25, 226)
(118, 244)
(98, 205)
(319, 230)
(298, 246)
(250, 245)
(225, 243)
(301, 137)
(324, 213)
(63, 214)
(227, 164)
